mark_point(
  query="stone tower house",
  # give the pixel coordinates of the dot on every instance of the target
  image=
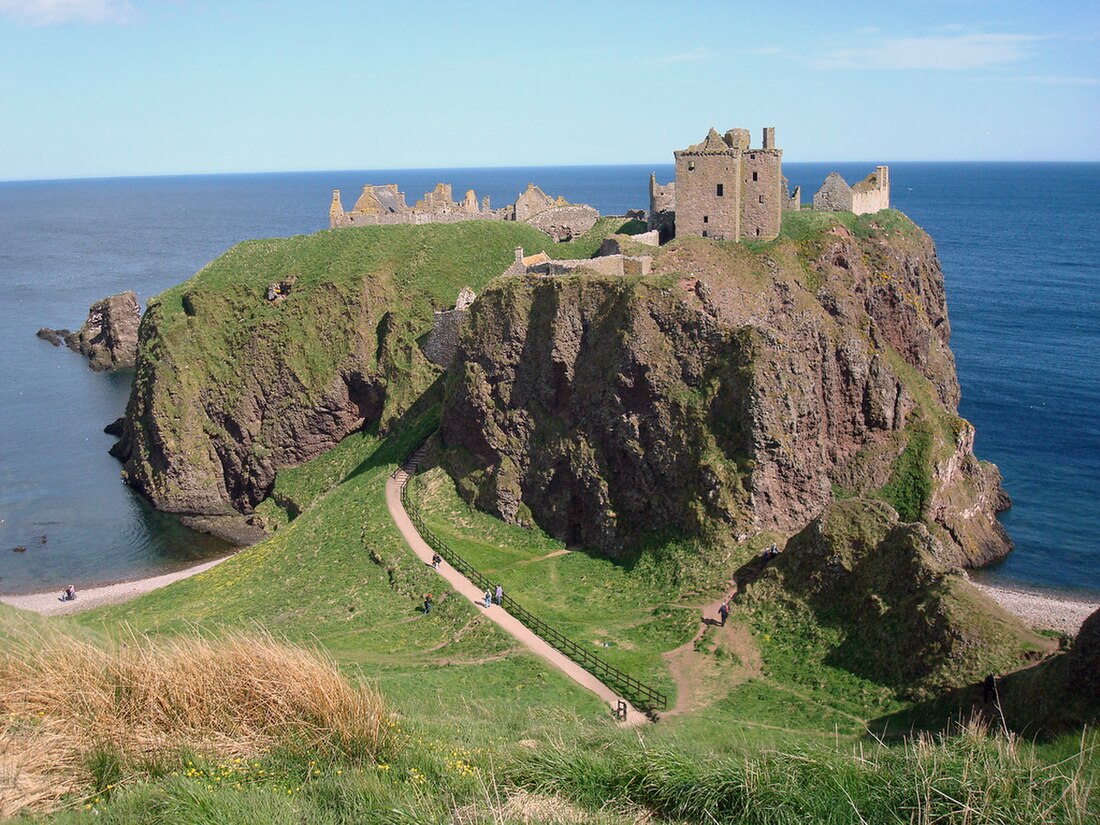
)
(725, 189)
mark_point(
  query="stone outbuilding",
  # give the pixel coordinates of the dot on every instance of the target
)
(869, 195)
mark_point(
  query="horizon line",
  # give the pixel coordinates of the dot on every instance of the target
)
(145, 176)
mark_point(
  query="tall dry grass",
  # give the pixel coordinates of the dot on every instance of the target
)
(65, 700)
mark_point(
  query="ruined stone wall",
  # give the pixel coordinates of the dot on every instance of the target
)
(662, 197)
(442, 341)
(762, 193)
(412, 217)
(384, 205)
(835, 195)
(563, 223)
(708, 194)
(532, 201)
(606, 265)
(872, 193)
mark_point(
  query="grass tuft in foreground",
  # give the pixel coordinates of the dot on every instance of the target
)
(974, 777)
(77, 715)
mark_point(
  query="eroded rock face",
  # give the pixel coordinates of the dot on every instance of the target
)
(735, 395)
(906, 619)
(109, 336)
(199, 444)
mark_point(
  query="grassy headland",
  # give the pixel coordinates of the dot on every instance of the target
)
(326, 695)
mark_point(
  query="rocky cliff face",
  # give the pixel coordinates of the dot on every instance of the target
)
(194, 443)
(109, 336)
(277, 350)
(740, 390)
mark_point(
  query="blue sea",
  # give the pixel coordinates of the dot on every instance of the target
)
(1018, 242)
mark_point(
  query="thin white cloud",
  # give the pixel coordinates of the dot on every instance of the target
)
(950, 53)
(61, 12)
(695, 55)
(1063, 80)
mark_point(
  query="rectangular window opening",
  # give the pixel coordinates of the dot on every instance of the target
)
(691, 166)
(754, 175)
(761, 198)
(706, 218)
(720, 190)
(704, 233)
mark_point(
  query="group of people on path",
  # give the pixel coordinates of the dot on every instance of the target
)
(499, 596)
(429, 599)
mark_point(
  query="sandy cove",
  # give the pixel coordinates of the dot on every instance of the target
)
(49, 604)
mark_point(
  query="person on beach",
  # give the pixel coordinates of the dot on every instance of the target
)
(488, 598)
(723, 612)
(427, 603)
(68, 594)
(500, 595)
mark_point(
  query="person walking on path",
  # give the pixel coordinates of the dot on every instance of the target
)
(500, 595)
(488, 598)
(723, 612)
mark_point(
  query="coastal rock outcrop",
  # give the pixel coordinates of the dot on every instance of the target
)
(905, 618)
(741, 389)
(109, 336)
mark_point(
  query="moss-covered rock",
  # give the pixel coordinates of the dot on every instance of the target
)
(906, 619)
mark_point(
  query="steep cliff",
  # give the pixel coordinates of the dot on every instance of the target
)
(280, 348)
(741, 388)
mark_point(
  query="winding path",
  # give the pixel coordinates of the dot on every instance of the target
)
(507, 622)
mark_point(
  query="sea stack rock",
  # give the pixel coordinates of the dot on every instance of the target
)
(109, 336)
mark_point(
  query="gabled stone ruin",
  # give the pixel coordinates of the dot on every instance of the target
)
(869, 195)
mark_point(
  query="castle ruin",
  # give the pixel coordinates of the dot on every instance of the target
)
(728, 190)
(869, 195)
(385, 205)
(724, 189)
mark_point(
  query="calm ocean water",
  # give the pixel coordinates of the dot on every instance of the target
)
(1018, 242)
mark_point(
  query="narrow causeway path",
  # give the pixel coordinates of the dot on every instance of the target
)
(497, 614)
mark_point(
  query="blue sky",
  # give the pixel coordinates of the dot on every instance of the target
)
(139, 87)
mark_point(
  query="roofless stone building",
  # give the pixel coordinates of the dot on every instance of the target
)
(729, 190)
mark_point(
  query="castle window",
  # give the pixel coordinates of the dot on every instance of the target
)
(706, 218)
(691, 166)
(761, 198)
(754, 175)
(720, 190)
(704, 233)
